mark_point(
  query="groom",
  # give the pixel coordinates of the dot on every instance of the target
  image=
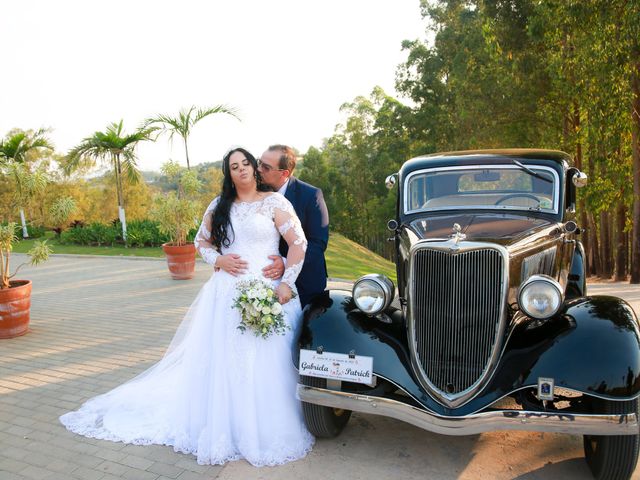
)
(276, 168)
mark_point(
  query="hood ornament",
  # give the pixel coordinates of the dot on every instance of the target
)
(457, 234)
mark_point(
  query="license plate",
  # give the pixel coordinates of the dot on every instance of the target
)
(337, 366)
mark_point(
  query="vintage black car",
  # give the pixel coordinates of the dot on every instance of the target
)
(492, 328)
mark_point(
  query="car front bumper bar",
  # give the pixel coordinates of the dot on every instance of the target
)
(579, 424)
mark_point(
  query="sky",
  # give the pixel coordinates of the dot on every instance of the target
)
(286, 66)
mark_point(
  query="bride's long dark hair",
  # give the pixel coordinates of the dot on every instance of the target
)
(220, 221)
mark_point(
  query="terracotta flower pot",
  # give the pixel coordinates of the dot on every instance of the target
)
(15, 303)
(181, 260)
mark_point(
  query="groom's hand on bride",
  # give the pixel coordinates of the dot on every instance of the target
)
(276, 269)
(232, 264)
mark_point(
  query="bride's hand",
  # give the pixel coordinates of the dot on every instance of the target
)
(284, 293)
(232, 264)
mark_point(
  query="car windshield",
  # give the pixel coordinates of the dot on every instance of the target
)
(501, 187)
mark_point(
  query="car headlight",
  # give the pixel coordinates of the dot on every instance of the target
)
(373, 293)
(540, 296)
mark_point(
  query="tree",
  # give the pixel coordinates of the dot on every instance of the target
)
(211, 178)
(353, 163)
(28, 184)
(60, 212)
(14, 152)
(541, 74)
(184, 122)
(113, 146)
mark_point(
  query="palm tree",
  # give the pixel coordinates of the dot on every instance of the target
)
(116, 148)
(14, 150)
(184, 122)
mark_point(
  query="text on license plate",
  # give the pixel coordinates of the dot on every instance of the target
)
(339, 366)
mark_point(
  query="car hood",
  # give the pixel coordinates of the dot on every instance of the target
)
(504, 229)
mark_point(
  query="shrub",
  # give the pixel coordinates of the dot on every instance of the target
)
(61, 211)
(36, 231)
(140, 233)
(93, 234)
(101, 234)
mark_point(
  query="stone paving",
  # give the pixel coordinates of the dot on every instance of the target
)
(97, 322)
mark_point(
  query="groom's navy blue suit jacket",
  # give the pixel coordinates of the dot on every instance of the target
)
(310, 207)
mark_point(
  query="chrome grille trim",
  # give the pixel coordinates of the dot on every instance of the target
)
(457, 344)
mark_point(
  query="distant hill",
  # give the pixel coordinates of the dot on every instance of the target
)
(201, 167)
(150, 176)
(160, 181)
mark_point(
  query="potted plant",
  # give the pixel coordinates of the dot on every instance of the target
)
(177, 213)
(15, 295)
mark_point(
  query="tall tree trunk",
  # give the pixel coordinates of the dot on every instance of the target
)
(605, 245)
(566, 137)
(121, 214)
(594, 251)
(25, 232)
(621, 244)
(116, 165)
(627, 249)
(186, 153)
(582, 208)
(635, 149)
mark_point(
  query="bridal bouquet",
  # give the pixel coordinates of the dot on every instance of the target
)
(259, 308)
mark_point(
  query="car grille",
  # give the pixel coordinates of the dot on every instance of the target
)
(456, 311)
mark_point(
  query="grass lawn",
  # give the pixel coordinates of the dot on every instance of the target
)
(350, 260)
(345, 259)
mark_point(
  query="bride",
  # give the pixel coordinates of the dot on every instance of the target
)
(219, 393)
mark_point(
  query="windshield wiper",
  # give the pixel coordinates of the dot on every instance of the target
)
(530, 172)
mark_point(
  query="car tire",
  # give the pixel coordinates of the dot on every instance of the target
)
(612, 457)
(323, 422)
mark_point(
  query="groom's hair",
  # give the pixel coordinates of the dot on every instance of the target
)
(287, 157)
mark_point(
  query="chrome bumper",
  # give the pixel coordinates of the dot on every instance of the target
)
(579, 424)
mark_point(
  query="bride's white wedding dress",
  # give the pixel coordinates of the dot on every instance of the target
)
(218, 393)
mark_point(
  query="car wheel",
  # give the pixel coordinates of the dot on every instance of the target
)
(323, 422)
(612, 457)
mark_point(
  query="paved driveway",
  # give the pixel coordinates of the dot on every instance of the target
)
(97, 322)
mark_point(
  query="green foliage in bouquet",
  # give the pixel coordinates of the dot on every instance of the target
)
(259, 308)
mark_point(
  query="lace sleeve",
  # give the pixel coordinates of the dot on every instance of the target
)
(290, 228)
(203, 244)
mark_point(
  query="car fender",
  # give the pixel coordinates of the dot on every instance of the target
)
(334, 324)
(592, 346)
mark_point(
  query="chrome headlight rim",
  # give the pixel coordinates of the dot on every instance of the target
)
(547, 280)
(386, 287)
